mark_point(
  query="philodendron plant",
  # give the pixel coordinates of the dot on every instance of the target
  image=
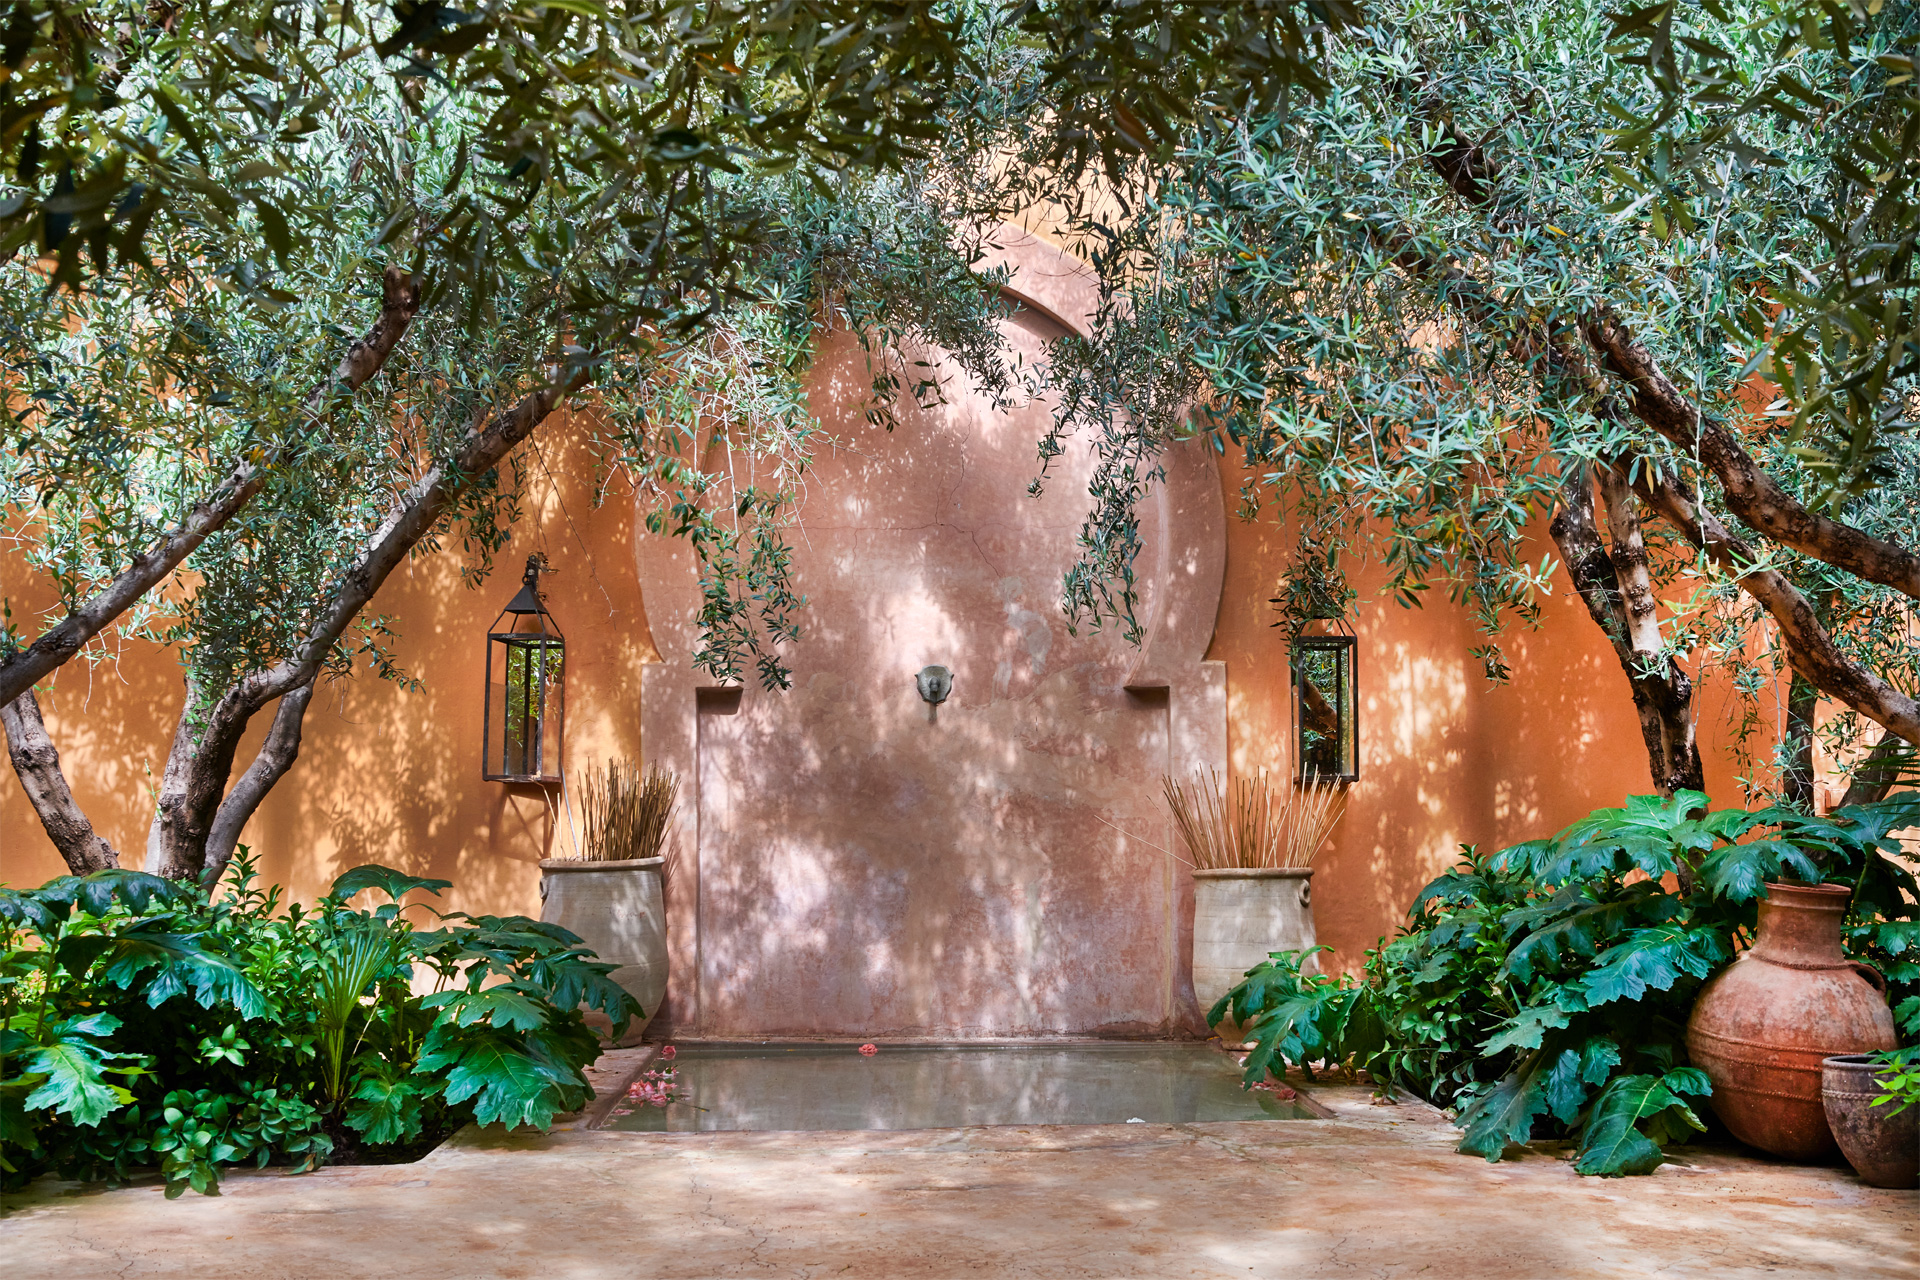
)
(142, 1024)
(1543, 991)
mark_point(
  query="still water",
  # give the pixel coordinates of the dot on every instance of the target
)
(814, 1086)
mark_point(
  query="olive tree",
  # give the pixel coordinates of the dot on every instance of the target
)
(1440, 301)
(309, 274)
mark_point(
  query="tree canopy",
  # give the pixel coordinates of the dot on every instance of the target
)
(290, 283)
(1443, 299)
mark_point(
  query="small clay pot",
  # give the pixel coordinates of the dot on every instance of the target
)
(1883, 1148)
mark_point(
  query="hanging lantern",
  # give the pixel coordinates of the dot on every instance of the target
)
(1326, 704)
(526, 706)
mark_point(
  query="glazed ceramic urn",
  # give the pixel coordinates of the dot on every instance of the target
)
(619, 911)
(1762, 1026)
(1240, 914)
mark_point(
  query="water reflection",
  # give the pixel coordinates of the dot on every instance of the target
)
(787, 1087)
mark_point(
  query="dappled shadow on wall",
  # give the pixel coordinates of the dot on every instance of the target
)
(871, 864)
(388, 775)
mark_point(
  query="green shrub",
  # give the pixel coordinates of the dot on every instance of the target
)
(143, 1025)
(1900, 1087)
(1543, 991)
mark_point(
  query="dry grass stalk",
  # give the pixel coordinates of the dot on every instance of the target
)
(624, 815)
(1248, 824)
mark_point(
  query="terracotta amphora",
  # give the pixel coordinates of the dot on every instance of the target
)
(1762, 1026)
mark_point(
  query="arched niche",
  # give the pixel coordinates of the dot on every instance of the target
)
(851, 861)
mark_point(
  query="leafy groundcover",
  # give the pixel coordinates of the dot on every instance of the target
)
(1543, 991)
(143, 1025)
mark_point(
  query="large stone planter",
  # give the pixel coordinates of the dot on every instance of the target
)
(618, 910)
(1762, 1026)
(1883, 1148)
(1239, 915)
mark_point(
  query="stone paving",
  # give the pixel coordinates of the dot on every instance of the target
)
(1372, 1191)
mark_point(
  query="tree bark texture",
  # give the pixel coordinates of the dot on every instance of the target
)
(20, 671)
(200, 761)
(1796, 780)
(275, 757)
(37, 763)
(1882, 768)
(1810, 649)
(1751, 493)
(1618, 594)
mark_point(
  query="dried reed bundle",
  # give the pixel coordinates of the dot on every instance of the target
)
(626, 817)
(1247, 825)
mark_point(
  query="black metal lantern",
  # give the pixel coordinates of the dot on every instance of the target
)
(1326, 706)
(526, 704)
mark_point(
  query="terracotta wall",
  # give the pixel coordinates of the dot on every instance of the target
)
(385, 774)
(1446, 758)
(391, 775)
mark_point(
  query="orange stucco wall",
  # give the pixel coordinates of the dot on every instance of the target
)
(391, 775)
(1446, 758)
(385, 774)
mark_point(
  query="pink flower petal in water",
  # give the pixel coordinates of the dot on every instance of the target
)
(668, 1053)
(868, 1050)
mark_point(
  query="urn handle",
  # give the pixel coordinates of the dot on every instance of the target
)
(1877, 979)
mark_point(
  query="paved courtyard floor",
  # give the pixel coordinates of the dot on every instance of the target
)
(1372, 1191)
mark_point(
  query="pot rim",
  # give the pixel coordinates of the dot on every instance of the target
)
(1825, 889)
(1845, 1060)
(1253, 873)
(588, 864)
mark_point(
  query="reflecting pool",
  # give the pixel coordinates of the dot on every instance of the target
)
(821, 1086)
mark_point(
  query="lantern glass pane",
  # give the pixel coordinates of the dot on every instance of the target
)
(1324, 709)
(525, 705)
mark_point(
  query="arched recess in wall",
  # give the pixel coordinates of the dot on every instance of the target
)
(854, 861)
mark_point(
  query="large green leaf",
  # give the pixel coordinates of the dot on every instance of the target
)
(73, 1064)
(573, 982)
(506, 1084)
(98, 892)
(385, 1110)
(565, 1048)
(1566, 927)
(1740, 872)
(502, 1006)
(1653, 959)
(1873, 825)
(181, 964)
(27, 910)
(1651, 834)
(1504, 1116)
(395, 884)
(1526, 1029)
(77, 952)
(1613, 1143)
(1575, 1072)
